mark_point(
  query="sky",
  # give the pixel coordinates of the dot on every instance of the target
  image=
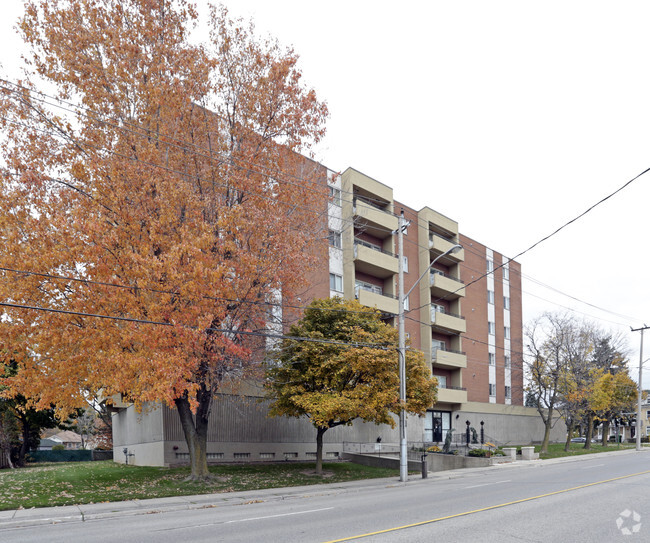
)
(510, 117)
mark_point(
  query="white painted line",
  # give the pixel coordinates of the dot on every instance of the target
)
(594, 466)
(488, 484)
(280, 515)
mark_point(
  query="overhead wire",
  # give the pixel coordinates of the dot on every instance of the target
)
(347, 192)
(185, 145)
(232, 331)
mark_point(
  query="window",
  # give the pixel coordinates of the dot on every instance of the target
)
(490, 266)
(506, 273)
(507, 361)
(336, 282)
(335, 196)
(490, 296)
(506, 302)
(493, 389)
(492, 359)
(407, 304)
(335, 239)
(506, 332)
(491, 328)
(507, 392)
(405, 263)
(437, 308)
(442, 380)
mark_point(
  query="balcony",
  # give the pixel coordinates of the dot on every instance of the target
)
(373, 261)
(373, 220)
(448, 359)
(385, 304)
(452, 395)
(439, 245)
(443, 286)
(448, 322)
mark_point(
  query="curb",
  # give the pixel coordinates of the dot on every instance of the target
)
(19, 518)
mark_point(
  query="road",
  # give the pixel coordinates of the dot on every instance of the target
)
(599, 498)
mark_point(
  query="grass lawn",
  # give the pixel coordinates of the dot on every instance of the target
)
(42, 485)
(556, 450)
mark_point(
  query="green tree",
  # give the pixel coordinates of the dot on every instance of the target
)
(335, 383)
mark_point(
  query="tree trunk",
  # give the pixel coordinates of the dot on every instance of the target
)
(590, 430)
(605, 432)
(548, 424)
(569, 433)
(24, 446)
(319, 449)
(8, 456)
(195, 429)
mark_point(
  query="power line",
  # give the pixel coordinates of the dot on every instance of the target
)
(383, 346)
(185, 146)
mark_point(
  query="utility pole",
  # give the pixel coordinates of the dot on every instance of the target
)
(403, 459)
(401, 225)
(640, 391)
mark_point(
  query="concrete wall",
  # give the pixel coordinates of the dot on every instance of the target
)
(507, 424)
(240, 431)
(141, 434)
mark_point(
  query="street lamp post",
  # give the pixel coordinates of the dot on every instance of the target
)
(403, 459)
(637, 428)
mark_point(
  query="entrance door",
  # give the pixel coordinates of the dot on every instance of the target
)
(435, 425)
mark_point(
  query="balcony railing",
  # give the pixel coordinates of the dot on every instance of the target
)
(433, 273)
(368, 203)
(372, 246)
(434, 350)
(448, 387)
(435, 310)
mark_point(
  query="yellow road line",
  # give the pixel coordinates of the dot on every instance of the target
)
(422, 523)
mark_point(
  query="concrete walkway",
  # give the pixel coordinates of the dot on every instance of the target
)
(81, 513)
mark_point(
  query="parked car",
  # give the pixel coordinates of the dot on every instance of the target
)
(582, 440)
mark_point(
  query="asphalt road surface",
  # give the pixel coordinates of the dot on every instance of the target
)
(597, 498)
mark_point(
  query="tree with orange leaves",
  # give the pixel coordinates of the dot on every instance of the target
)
(152, 204)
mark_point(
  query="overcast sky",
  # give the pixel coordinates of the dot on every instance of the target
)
(509, 117)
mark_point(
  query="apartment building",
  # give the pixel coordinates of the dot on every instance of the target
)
(465, 315)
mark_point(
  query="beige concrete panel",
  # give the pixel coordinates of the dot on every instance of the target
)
(383, 303)
(378, 223)
(449, 323)
(427, 214)
(375, 262)
(448, 359)
(442, 286)
(450, 395)
(368, 185)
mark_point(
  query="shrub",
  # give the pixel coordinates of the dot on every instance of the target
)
(477, 452)
(59, 447)
(434, 449)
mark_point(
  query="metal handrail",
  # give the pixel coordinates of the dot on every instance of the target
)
(433, 273)
(433, 310)
(448, 387)
(433, 351)
(358, 241)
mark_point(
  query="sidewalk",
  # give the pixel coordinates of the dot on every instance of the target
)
(81, 513)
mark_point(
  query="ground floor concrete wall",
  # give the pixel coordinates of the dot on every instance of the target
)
(241, 431)
(507, 424)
